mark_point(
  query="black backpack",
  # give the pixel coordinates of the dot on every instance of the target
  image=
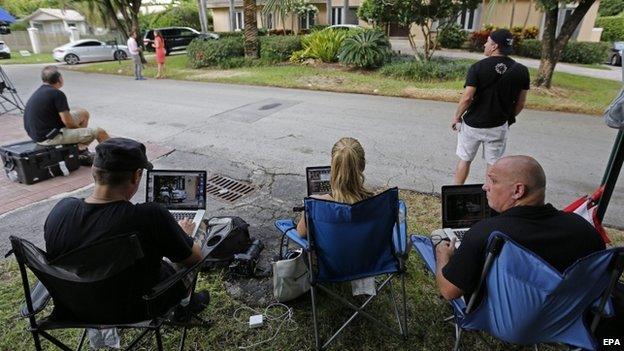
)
(228, 236)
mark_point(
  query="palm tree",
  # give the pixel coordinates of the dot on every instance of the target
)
(252, 47)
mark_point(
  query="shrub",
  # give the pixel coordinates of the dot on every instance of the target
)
(436, 69)
(317, 27)
(19, 25)
(224, 35)
(280, 32)
(530, 32)
(366, 49)
(586, 52)
(610, 8)
(612, 28)
(574, 52)
(183, 15)
(322, 45)
(452, 37)
(478, 39)
(205, 53)
(279, 48)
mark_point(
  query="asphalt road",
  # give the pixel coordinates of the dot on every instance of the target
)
(281, 131)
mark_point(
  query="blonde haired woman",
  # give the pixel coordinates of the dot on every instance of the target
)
(347, 176)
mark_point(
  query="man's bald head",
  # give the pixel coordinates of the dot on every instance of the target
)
(524, 169)
(515, 180)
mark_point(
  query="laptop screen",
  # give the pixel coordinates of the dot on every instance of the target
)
(318, 179)
(177, 190)
(464, 205)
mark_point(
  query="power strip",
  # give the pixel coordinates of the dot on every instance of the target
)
(256, 321)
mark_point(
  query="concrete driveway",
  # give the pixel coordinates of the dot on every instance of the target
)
(609, 72)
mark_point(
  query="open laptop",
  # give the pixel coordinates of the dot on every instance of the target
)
(462, 207)
(183, 193)
(318, 180)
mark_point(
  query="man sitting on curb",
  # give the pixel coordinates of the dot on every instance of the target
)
(108, 212)
(515, 187)
(48, 121)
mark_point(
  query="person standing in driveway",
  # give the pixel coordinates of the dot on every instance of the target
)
(135, 52)
(161, 52)
(495, 93)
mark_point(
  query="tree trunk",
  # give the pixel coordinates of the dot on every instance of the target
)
(526, 19)
(345, 11)
(513, 11)
(252, 49)
(552, 47)
(328, 4)
(232, 16)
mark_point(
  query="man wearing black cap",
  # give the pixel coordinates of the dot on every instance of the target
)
(495, 92)
(108, 212)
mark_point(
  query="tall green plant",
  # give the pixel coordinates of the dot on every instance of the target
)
(322, 45)
(366, 49)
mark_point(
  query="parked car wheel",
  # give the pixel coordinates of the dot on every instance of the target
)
(615, 60)
(120, 55)
(71, 59)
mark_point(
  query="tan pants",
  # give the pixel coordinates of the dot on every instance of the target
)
(73, 136)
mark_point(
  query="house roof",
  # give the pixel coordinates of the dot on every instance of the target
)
(55, 14)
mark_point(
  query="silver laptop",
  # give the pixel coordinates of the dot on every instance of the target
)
(462, 207)
(318, 180)
(183, 193)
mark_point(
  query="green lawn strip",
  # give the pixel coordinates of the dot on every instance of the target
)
(571, 93)
(600, 66)
(33, 58)
(426, 311)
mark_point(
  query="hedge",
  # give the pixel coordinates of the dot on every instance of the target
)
(613, 28)
(205, 53)
(279, 48)
(574, 52)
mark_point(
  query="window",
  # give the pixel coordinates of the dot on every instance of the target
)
(71, 25)
(89, 43)
(468, 18)
(187, 33)
(239, 23)
(306, 21)
(269, 20)
(336, 15)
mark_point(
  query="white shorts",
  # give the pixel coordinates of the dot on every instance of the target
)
(494, 141)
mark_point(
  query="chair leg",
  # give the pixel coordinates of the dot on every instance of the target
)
(36, 339)
(396, 308)
(82, 339)
(314, 320)
(158, 339)
(404, 304)
(182, 339)
(458, 333)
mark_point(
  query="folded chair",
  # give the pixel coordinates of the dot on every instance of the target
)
(350, 242)
(96, 287)
(527, 301)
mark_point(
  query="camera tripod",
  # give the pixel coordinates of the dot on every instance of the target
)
(9, 100)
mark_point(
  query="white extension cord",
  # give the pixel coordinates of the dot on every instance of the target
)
(284, 318)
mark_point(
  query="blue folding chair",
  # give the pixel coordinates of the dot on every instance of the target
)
(527, 301)
(350, 242)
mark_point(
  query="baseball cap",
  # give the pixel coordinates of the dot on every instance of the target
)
(121, 154)
(504, 39)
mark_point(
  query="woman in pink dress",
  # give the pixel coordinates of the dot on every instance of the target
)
(159, 45)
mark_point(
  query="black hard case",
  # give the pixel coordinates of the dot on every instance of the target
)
(34, 163)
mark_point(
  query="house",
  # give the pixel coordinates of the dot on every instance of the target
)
(57, 21)
(499, 14)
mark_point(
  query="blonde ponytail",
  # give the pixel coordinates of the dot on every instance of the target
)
(347, 167)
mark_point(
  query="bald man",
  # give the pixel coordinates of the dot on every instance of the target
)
(515, 187)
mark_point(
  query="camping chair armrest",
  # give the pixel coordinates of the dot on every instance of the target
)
(168, 283)
(399, 235)
(289, 228)
(40, 298)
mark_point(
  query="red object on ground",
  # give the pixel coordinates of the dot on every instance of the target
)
(586, 207)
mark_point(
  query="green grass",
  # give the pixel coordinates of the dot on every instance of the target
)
(427, 330)
(570, 93)
(33, 58)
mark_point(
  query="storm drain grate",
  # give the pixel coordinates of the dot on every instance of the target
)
(227, 189)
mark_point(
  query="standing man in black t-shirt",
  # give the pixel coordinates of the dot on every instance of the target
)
(515, 187)
(108, 212)
(495, 93)
(48, 120)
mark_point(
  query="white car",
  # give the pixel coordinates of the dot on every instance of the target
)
(87, 50)
(5, 52)
(345, 26)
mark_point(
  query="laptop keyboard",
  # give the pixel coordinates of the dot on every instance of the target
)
(460, 234)
(182, 215)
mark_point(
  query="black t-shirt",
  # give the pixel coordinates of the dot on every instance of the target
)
(498, 80)
(73, 223)
(558, 237)
(41, 114)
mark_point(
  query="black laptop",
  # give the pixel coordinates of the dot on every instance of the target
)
(462, 207)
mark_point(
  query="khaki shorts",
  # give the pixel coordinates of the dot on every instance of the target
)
(73, 136)
(494, 142)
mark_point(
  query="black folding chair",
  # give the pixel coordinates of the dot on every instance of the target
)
(90, 289)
